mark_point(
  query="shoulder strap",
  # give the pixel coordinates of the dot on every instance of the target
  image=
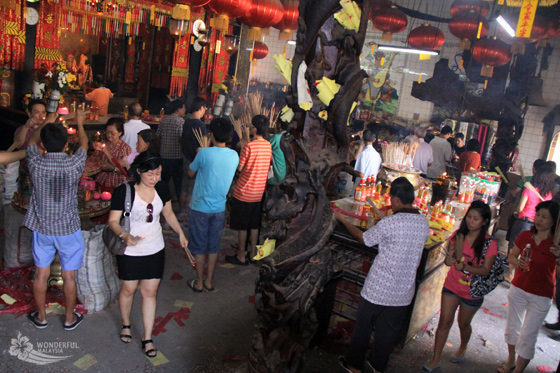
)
(485, 248)
(529, 186)
(127, 208)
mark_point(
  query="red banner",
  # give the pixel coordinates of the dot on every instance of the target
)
(161, 64)
(12, 36)
(47, 43)
(214, 67)
(180, 72)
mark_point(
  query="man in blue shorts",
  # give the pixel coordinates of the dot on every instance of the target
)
(214, 168)
(53, 213)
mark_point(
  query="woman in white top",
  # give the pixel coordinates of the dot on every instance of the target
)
(144, 257)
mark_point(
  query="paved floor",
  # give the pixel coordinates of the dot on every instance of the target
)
(214, 332)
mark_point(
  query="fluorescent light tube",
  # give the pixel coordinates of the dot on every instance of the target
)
(407, 50)
(506, 26)
(293, 42)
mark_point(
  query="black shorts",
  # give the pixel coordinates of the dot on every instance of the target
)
(148, 267)
(244, 215)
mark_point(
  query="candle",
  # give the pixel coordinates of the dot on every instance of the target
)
(71, 131)
(97, 137)
(96, 195)
(106, 196)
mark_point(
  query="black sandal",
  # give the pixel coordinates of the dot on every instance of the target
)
(125, 338)
(151, 353)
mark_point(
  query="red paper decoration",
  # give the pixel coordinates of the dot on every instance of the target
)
(553, 29)
(377, 5)
(226, 9)
(389, 20)
(465, 26)
(260, 50)
(478, 6)
(193, 3)
(491, 53)
(289, 21)
(264, 13)
(426, 37)
(539, 30)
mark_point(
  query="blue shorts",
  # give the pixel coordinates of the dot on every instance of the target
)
(205, 231)
(473, 303)
(70, 250)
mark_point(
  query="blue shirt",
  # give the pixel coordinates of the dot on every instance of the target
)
(215, 169)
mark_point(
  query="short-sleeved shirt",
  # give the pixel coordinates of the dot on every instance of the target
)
(255, 159)
(152, 233)
(190, 143)
(530, 209)
(468, 160)
(131, 129)
(459, 282)
(423, 157)
(401, 238)
(100, 99)
(368, 162)
(278, 159)
(171, 129)
(30, 130)
(53, 208)
(215, 169)
(539, 280)
(442, 153)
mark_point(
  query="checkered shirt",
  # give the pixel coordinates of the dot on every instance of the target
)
(171, 129)
(53, 208)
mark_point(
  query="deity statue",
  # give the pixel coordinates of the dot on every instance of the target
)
(84, 71)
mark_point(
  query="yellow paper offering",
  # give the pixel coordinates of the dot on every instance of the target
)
(284, 67)
(265, 249)
(351, 111)
(286, 114)
(327, 89)
(349, 16)
(324, 115)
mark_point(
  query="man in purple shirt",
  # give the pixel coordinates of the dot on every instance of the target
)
(53, 213)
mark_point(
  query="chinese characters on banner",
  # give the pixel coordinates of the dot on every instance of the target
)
(214, 66)
(47, 43)
(12, 35)
(526, 18)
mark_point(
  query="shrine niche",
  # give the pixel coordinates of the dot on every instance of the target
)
(299, 212)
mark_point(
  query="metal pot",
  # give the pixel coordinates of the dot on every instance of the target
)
(392, 172)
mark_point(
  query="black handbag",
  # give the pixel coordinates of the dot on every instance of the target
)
(114, 243)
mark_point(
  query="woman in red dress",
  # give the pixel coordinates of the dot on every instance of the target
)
(111, 177)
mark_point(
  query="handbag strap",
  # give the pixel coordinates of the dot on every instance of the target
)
(127, 208)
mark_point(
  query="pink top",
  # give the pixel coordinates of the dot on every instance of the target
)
(459, 282)
(530, 209)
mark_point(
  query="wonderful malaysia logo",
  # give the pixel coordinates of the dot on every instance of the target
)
(45, 353)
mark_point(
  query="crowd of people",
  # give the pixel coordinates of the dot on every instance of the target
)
(153, 158)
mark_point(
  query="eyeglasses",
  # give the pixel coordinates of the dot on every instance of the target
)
(150, 217)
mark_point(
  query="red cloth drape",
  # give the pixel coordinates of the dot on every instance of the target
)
(47, 43)
(214, 67)
(161, 64)
(12, 35)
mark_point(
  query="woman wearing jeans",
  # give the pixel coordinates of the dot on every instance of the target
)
(144, 257)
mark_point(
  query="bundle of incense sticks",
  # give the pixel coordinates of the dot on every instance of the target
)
(254, 103)
(191, 258)
(237, 126)
(202, 140)
(395, 153)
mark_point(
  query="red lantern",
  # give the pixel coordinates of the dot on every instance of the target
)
(226, 9)
(553, 29)
(491, 53)
(538, 31)
(377, 5)
(289, 21)
(264, 13)
(390, 21)
(193, 3)
(478, 6)
(426, 37)
(465, 26)
(260, 50)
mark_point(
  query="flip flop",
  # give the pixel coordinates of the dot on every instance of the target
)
(191, 285)
(79, 319)
(456, 359)
(502, 368)
(34, 321)
(207, 289)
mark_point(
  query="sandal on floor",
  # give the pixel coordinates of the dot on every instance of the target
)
(125, 338)
(503, 368)
(456, 359)
(207, 289)
(191, 285)
(152, 352)
(427, 369)
(36, 323)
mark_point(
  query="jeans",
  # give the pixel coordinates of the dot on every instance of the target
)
(518, 227)
(387, 322)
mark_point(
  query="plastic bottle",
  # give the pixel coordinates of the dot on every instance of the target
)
(526, 255)
(359, 190)
(369, 189)
(125, 112)
(462, 190)
(364, 194)
(161, 113)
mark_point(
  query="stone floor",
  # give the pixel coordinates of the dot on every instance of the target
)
(214, 334)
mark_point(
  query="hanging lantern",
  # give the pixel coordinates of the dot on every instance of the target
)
(478, 6)
(426, 37)
(260, 51)
(178, 27)
(263, 14)
(490, 53)
(389, 20)
(231, 44)
(181, 12)
(289, 21)
(538, 31)
(466, 26)
(226, 9)
(553, 29)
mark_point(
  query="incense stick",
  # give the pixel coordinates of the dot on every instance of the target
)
(202, 140)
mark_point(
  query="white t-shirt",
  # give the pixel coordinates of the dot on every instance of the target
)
(401, 238)
(131, 129)
(368, 162)
(423, 156)
(153, 237)
(442, 153)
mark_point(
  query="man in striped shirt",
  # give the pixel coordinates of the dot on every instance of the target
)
(254, 164)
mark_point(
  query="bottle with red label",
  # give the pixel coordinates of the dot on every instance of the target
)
(359, 190)
(526, 255)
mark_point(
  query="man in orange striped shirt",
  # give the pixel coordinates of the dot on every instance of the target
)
(254, 164)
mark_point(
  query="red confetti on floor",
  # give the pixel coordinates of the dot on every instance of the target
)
(486, 310)
(179, 316)
(176, 276)
(252, 299)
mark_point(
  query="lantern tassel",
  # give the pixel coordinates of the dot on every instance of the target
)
(487, 71)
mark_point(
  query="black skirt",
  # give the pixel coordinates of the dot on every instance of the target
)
(148, 267)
